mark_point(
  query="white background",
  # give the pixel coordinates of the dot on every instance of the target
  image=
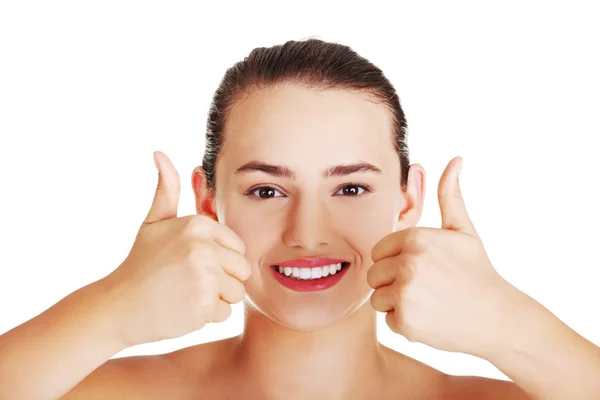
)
(89, 89)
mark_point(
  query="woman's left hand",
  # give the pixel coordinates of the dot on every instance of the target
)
(438, 286)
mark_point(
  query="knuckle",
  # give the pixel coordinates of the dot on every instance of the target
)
(239, 266)
(415, 238)
(198, 256)
(396, 296)
(379, 249)
(240, 293)
(372, 275)
(204, 283)
(209, 280)
(207, 302)
(411, 262)
(375, 301)
(233, 290)
(235, 241)
(246, 269)
(198, 227)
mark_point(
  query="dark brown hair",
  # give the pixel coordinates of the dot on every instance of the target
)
(312, 63)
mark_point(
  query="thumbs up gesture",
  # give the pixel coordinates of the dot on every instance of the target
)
(438, 286)
(181, 273)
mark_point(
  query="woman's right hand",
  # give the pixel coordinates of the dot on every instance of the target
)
(180, 274)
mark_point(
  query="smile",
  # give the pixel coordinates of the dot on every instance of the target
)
(310, 273)
(310, 279)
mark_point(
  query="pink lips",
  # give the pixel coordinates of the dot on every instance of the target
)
(309, 285)
(310, 263)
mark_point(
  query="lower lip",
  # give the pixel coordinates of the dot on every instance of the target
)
(309, 285)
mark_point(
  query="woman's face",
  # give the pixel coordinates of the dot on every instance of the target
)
(307, 213)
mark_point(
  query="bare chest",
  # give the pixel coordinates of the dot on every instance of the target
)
(223, 387)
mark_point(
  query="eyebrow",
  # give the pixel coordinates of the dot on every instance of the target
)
(280, 171)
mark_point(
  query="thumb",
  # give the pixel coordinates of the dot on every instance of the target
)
(166, 198)
(452, 205)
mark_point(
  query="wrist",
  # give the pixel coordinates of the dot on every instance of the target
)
(502, 331)
(532, 347)
(111, 310)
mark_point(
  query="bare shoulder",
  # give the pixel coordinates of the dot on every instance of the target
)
(480, 388)
(122, 378)
(161, 376)
(425, 382)
(194, 362)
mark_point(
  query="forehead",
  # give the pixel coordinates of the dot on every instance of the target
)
(289, 124)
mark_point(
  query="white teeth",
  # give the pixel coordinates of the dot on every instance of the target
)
(310, 273)
(305, 273)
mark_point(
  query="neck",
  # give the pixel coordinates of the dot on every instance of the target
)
(337, 362)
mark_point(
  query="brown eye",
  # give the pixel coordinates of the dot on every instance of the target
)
(353, 190)
(263, 192)
(266, 193)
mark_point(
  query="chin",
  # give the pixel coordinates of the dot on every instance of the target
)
(306, 321)
(305, 317)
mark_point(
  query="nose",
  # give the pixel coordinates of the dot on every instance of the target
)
(307, 226)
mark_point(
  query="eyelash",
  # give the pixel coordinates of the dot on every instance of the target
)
(366, 189)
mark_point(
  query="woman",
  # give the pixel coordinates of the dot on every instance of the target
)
(307, 207)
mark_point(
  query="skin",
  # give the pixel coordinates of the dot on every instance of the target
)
(303, 345)
(320, 344)
(329, 339)
(324, 344)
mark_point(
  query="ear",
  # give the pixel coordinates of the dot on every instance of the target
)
(205, 199)
(413, 198)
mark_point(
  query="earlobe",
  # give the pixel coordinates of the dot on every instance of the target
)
(205, 202)
(414, 198)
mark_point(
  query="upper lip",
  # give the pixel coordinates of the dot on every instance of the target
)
(310, 262)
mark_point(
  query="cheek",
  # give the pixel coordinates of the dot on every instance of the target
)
(257, 233)
(235, 214)
(365, 226)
